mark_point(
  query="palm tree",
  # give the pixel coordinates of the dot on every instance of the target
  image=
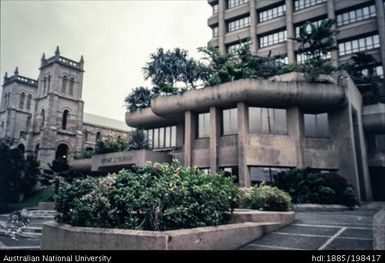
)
(139, 98)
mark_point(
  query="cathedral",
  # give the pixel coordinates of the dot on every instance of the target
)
(45, 117)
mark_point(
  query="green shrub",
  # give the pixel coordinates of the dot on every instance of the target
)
(110, 146)
(270, 198)
(154, 197)
(85, 154)
(308, 186)
(326, 195)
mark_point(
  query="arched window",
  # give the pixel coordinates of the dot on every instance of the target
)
(64, 120)
(44, 85)
(42, 118)
(7, 99)
(37, 149)
(98, 137)
(21, 101)
(49, 82)
(64, 85)
(72, 82)
(29, 100)
(85, 135)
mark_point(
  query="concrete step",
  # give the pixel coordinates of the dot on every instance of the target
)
(30, 235)
(39, 214)
(32, 229)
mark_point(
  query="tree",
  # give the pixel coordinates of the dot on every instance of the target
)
(139, 98)
(316, 41)
(137, 140)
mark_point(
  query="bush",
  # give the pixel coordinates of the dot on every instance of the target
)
(308, 186)
(155, 197)
(85, 154)
(110, 146)
(269, 198)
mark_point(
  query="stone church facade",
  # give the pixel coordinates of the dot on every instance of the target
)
(45, 117)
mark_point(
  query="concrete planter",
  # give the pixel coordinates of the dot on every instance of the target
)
(225, 237)
(379, 230)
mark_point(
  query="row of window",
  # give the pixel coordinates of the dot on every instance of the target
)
(377, 71)
(356, 15)
(302, 57)
(308, 27)
(160, 138)
(215, 31)
(356, 45)
(234, 3)
(272, 13)
(63, 122)
(301, 4)
(273, 38)
(46, 83)
(265, 121)
(71, 85)
(233, 47)
(238, 24)
(5, 100)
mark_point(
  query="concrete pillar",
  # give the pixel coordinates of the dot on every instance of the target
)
(381, 29)
(243, 130)
(253, 27)
(296, 132)
(221, 25)
(290, 31)
(215, 129)
(189, 136)
(332, 15)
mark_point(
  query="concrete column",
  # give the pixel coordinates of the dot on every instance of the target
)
(290, 31)
(189, 136)
(215, 129)
(332, 15)
(253, 27)
(221, 25)
(381, 28)
(296, 132)
(243, 130)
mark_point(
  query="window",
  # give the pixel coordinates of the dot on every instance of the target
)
(272, 39)
(361, 44)
(230, 121)
(42, 123)
(231, 48)
(21, 101)
(215, 9)
(98, 137)
(64, 85)
(267, 120)
(161, 138)
(215, 31)
(316, 125)
(301, 4)
(72, 82)
(49, 83)
(233, 3)
(380, 142)
(376, 71)
(44, 85)
(64, 120)
(205, 170)
(308, 27)
(272, 13)
(238, 24)
(302, 57)
(29, 101)
(204, 125)
(231, 172)
(265, 174)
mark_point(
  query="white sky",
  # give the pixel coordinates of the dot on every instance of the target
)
(115, 38)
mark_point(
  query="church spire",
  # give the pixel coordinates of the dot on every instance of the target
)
(17, 71)
(57, 52)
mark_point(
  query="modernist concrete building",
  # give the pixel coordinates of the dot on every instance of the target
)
(270, 25)
(256, 128)
(45, 116)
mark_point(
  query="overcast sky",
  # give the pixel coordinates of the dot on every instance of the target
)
(115, 38)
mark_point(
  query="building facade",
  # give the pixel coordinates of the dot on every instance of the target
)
(45, 116)
(271, 25)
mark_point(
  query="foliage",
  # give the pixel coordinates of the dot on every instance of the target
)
(84, 154)
(308, 186)
(268, 198)
(154, 197)
(110, 146)
(367, 84)
(137, 140)
(17, 175)
(14, 225)
(316, 41)
(139, 98)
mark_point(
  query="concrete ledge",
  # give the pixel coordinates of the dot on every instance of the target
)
(224, 237)
(319, 207)
(379, 230)
(46, 206)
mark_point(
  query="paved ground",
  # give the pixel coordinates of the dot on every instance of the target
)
(342, 230)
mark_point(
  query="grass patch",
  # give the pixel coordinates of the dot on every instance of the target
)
(44, 195)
